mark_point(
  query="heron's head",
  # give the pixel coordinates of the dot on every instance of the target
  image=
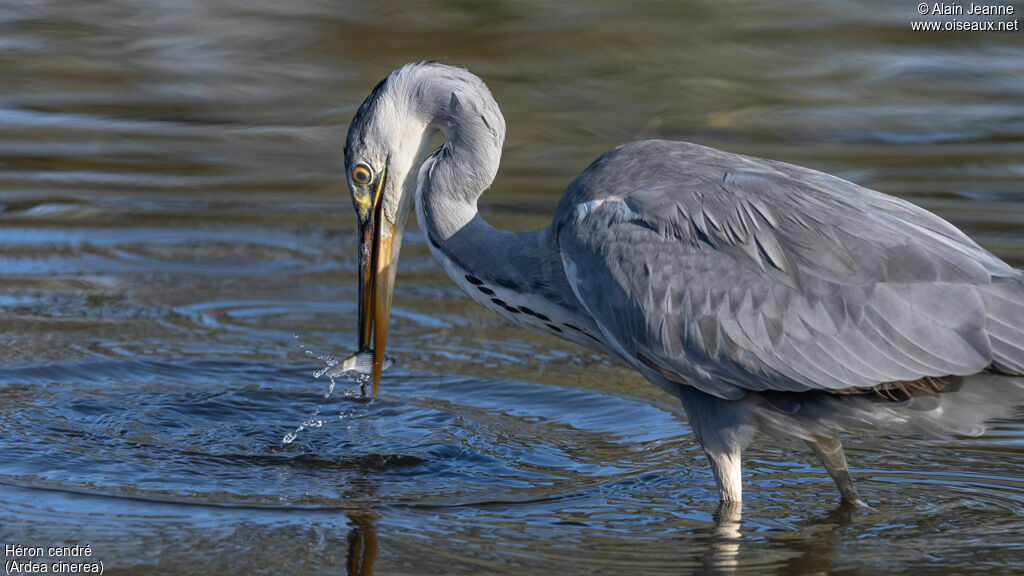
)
(386, 142)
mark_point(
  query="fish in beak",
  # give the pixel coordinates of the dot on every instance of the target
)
(376, 275)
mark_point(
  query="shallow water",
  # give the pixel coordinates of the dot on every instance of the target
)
(173, 211)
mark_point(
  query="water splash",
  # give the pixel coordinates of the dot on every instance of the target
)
(356, 369)
(312, 422)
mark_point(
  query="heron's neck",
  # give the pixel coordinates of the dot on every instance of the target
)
(519, 276)
(446, 208)
(449, 183)
(454, 177)
(446, 194)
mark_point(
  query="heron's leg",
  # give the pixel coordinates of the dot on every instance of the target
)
(830, 451)
(723, 428)
(725, 465)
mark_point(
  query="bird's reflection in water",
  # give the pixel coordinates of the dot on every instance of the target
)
(812, 554)
(362, 545)
(722, 556)
(817, 553)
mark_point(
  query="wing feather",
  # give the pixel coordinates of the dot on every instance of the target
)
(734, 273)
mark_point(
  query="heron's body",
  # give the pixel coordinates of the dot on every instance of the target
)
(764, 295)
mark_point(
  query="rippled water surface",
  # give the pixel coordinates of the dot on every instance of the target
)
(173, 212)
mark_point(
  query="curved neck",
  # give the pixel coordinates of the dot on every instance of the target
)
(454, 177)
(448, 185)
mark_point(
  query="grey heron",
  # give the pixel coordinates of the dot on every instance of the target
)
(767, 297)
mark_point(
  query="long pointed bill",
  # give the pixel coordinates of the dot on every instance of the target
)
(376, 279)
(382, 298)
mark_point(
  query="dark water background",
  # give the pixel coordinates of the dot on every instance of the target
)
(173, 210)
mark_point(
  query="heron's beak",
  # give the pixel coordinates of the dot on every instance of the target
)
(376, 276)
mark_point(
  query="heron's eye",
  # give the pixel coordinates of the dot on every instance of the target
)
(361, 174)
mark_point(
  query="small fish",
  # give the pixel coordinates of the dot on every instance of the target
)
(362, 363)
(357, 366)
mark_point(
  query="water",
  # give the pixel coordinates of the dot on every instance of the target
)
(174, 210)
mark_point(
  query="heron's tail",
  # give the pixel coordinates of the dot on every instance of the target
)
(963, 409)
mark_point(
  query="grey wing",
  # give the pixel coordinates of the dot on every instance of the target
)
(732, 273)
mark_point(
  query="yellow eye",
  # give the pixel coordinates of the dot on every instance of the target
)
(361, 175)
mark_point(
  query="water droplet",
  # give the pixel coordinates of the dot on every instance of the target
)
(357, 369)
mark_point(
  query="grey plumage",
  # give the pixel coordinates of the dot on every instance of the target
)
(736, 274)
(764, 295)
